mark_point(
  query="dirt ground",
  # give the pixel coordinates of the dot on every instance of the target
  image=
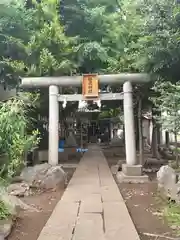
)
(29, 224)
(145, 210)
(143, 205)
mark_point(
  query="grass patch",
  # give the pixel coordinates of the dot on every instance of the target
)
(4, 211)
(172, 214)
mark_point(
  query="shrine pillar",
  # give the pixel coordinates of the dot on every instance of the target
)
(53, 125)
(129, 125)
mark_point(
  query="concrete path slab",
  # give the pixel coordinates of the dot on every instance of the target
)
(92, 206)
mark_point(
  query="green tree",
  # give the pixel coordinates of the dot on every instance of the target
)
(15, 29)
(159, 52)
(47, 50)
(167, 103)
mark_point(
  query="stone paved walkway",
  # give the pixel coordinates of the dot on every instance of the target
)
(92, 207)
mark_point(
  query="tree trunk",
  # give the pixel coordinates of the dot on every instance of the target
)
(158, 134)
(136, 129)
(141, 149)
(154, 144)
(176, 151)
(167, 139)
(155, 137)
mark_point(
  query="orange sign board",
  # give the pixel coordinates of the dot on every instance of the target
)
(90, 86)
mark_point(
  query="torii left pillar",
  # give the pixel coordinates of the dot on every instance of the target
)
(129, 125)
(53, 125)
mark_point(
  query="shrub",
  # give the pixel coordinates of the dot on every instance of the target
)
(15, 138)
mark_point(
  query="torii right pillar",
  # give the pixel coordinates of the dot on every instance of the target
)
(131, 171)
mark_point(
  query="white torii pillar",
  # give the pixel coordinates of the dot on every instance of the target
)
(129, 125)
(53, 125)
(131, 171)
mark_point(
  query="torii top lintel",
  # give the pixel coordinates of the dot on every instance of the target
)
(76, 81)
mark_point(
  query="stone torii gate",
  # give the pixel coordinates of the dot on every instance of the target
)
(76, 81)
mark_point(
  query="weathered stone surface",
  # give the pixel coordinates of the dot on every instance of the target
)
(117, 222)
(17, 179)
(61, 223)
(18, 189)
(44, 176)
(71, 141)
(92, 203)
(55, 177)
(122, 178)
(166, 176)
(129, 170)
(114, 169)
(5, 228)
(131, 174)
(89, 226)
(117, 167)
(30, 174)
(174, 192)
(155, 162)
(167, 183)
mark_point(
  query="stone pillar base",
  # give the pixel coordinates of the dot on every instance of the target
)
(131, 174)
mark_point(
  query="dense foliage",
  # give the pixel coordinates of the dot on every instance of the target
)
(67, 37)
(15, 139)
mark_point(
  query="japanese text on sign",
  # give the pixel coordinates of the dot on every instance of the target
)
(90, 86)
